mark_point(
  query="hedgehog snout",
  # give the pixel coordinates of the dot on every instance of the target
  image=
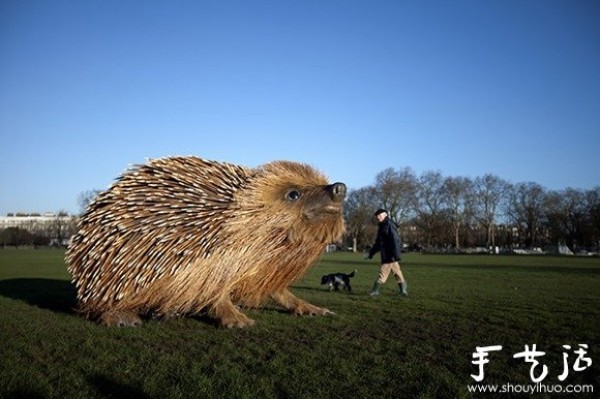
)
(337, 191)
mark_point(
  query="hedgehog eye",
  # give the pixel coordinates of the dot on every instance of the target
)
(292, 195)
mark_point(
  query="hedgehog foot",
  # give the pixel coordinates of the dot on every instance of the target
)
(297, 306)
(164, 316)
(305, 308)
(229, 316)
(120, 318)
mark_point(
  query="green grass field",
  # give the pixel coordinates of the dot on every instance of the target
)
(384, 347)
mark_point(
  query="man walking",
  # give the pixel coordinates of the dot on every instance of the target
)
(388, 244)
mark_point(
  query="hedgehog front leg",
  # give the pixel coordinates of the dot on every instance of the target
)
(297, 306)
(120, 318)
(225, 312)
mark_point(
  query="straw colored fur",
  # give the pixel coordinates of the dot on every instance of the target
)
(184, 235)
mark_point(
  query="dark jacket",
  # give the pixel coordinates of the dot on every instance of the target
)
(387, 242)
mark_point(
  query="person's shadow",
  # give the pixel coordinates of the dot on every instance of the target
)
(55, 295)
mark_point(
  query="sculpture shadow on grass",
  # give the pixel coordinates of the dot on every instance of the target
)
(55, 295)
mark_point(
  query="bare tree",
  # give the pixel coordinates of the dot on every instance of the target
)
(556, 217)
(358, 212)
(458, 197)
(430, 202)
(85, 198)
(395, 190)
(526, 211)
(15, 236)
(566, 217)
(61, 228)
(489, 193)
(592, 204)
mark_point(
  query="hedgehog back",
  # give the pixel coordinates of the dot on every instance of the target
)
(155, 220)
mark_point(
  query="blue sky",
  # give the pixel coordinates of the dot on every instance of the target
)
(352, 87)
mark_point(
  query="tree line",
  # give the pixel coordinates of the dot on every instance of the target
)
(53, 232)
(434, 211)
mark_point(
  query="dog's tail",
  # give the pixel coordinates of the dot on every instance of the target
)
(353, 273)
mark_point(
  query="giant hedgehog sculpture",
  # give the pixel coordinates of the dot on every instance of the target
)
(183, 235)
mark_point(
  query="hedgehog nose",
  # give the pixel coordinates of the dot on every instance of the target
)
(337, 191)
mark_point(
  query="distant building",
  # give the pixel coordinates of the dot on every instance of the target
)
(32, 222)
(57, 227)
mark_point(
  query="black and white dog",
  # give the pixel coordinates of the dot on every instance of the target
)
(334, 281)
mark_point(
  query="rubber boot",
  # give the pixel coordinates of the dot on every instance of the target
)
(375, 290)
(403, 288)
